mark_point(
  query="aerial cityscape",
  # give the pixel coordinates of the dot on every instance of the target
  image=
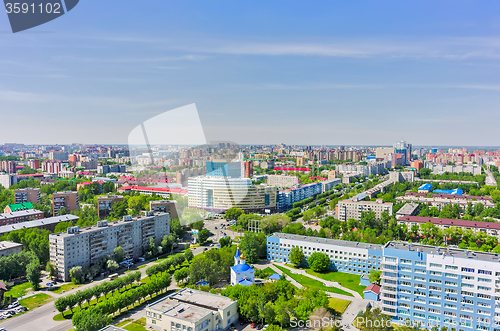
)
(249, 166)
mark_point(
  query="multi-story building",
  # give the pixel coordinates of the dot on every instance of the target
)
(33, 163)
(490, 228)
(221, 193)
(8, 248)
(224, 169)
(327, 185)
(80, 247)
(44, 224)
(18, 207)
(105, 203)
(283, 181)
(247, 169)
(441, 200)
(164, 206)
(104, 169)
(58, 155)
(192, 310)
(348, 209)
(440, 286)
(20, 216)
(7, 180)
(345, 256)
(67, 199)
(474, 169)
(287, 198)
(405, 150)
(27, 195)
(409, 209)
(372, 168)
(8, 166)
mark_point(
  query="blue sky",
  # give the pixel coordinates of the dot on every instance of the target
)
(260, 72)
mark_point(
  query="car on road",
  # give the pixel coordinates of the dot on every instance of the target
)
(215, 228)
(2, 329)
(204, 249)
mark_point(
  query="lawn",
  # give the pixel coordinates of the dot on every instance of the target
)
(306, 281)
(65, 287)
(268, 270)
(18, 290)
(124, 322)
(350, 281)
(138, 325)
(35, 300)
(339, 305)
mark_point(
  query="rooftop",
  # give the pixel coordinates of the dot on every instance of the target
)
(408, 209)
(451, 196)
(20, 213)
(21, 206)
(112, 328)
(326, 241)
(454, 252)
(451, 222)
(9, 245)
(191, 305)
(372, 288)
(37, 223)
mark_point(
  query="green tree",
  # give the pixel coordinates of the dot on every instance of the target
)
(297, 256)
(233, 213)
(254, 246)
(319, 262)
(51, 269)
(119, 254)
(61, 304)
(33, 274)
(375, 276)
(203, 236)
(225, 241)
(112, 265)
(92, 322)
(198, 225)
(181, 274)
(76, 274)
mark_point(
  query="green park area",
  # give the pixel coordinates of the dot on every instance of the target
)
(339, 305)
(309, 282)
(64, 288)
(35, 300)
(138, 325)
(18, 290)
(350, 281)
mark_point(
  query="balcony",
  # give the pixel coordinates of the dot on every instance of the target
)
(386, 276)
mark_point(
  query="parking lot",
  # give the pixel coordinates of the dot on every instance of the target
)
(12, 310)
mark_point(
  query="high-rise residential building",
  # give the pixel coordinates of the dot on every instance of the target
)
(221, 193)
(405, 150)
(7, 180)
(67, 199)
(474, 169)
(300, 161)
(58, 155)
(33, 163)
(105, 204)
(8, 166)
(247, 169)
(417, 165)
(82, 247)
(192, 310)
(164, 206)
(352, 209)
(283, 181)
(27, 195)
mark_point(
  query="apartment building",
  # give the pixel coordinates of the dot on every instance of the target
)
(44, 224)
(372, 168)
(347, 209)
(7, 180)
(490, 228)
(441, 200)
(8, 166)
(283, 181)
(287, 198)
(105, 204)
(329, 184)
(345, 256)
(474, 169)
(8, 248)
(192, 310)
(20, 216)
(440, 286)
(27, 195)
(80, 247)
(67, 199)
(164, 206)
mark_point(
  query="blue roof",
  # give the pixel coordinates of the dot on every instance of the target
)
(456, 191)
(426, 186)
(245, 282)
(202, 283)
(275, 276)
(237, 252)
(241, 267)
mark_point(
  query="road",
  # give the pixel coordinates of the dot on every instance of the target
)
(490, 179)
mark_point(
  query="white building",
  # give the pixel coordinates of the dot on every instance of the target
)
(241, 273)
(7, 180)
(348, 209)
(192, 310)
(8, 248)
(474, 169)
(283, 181)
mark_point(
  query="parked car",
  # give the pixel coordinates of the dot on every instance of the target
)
(259, 327)
(215, 228)
(13, 305)
(140, 259)
(253, 325)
